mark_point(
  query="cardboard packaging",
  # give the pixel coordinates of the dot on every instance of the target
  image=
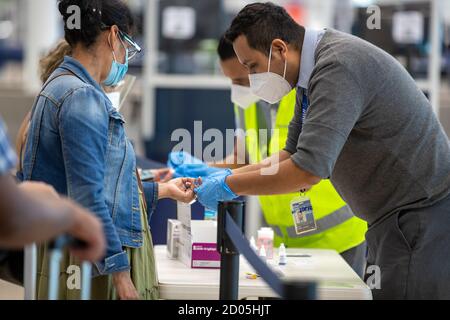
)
(197, 245)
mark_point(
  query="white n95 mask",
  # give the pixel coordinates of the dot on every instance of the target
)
(242, 96)
(270, 86)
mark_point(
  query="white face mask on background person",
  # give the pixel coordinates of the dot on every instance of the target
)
(242, 96)
(270, 86)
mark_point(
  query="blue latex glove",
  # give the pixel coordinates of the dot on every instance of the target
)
(185, 165)
(214, 189)
(196, 170)
(177, 159)
(221, 172)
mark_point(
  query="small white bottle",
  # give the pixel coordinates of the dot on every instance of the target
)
(253, 244)
(282, 255)
(265, 237)
(262, 253)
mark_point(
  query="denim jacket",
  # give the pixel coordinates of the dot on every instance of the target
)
(77, 144)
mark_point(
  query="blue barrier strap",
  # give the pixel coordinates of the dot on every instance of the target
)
(241, 243)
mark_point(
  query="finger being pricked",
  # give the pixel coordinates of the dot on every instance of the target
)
(190, 196)
(191, 183)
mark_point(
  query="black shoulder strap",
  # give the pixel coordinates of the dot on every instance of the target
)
(141, 187)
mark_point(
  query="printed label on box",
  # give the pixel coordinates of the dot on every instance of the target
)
(205, 255)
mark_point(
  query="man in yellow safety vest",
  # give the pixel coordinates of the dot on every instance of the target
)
(337, 227)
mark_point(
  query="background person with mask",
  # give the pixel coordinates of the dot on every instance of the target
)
(77, 143)
(337, 227)
(361, 121)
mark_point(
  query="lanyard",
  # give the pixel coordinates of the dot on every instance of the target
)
(305, 105)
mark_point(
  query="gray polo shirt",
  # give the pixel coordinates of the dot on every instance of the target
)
(371, 130)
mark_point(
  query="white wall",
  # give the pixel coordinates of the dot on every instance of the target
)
(42, 30)
(446, 10)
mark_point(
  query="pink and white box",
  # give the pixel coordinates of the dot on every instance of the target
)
(197, 244)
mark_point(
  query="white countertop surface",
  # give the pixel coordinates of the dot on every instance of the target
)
(335, 278)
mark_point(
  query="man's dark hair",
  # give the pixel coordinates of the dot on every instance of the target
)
(225, 49)
(95, 16)
(261, 23)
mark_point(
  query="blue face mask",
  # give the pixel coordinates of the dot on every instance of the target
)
(117, 72)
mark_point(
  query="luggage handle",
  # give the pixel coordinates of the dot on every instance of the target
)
(67, 241)
(56, 247)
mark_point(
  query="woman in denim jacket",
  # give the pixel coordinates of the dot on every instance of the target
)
(77, 143)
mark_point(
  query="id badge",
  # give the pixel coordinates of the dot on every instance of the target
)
(302, 213)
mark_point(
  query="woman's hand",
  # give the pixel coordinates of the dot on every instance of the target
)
(181, 189)
(124, 286)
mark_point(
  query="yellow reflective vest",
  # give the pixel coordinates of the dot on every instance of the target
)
(337, 227)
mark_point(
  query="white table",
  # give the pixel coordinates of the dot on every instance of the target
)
(336, 279)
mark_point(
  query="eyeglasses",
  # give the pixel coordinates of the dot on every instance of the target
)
(132, 46)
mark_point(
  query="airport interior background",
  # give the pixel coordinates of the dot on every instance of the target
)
(179, 80)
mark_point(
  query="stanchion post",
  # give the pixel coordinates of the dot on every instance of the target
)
(229, 262)
(296, 290)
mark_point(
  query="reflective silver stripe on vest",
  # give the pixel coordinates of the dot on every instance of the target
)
(241, 119)
(277, 231)
(332, 220)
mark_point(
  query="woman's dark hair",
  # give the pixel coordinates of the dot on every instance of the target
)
(225, 49)
(261, 23)
(95, 15)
